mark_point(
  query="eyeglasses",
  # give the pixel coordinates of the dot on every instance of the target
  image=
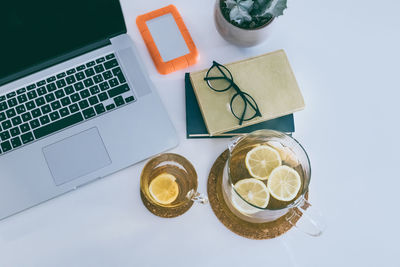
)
(220, 79)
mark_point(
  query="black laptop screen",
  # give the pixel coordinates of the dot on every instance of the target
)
(34, 31)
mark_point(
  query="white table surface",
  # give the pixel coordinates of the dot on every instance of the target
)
(345, 55)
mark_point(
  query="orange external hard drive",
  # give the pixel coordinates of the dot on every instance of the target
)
(168, 40)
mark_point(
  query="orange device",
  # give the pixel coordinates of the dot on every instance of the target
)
(167, 39)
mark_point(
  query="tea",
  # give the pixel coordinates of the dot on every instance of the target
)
(273, 159)
(164, 192)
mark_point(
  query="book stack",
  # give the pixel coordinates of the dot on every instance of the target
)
(268, 78)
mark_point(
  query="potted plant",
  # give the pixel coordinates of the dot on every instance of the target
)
(246, 22)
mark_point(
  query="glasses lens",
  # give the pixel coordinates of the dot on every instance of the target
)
(238, 106)
(219, 78)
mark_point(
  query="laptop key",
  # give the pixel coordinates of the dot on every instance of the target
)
(21, 91)
(15, 131)
(98, 78)
(6, 125)
(10, 95)
(31, 87)
(93, 100)
(55, 105)
(94, 90)
(46, 109)
(6, 146)
(110, 56)
(30, 105)
(5, 135)
(36, 113)
(51, 79)
(61, 75)
(69, 90)
(2, 98)
(99, 68)
(51, 87)
(20, 109)
(16, 142)
(107, 75)
(118, 73)
(89, 72)
(22, 98)
(12, 102)
(41, 83)
(80, 76)
(110, 107)
(70, 79)
(88, 113)
(83, 104)
(88, 82)
(129, 99)
(73, 108)
(75, 97)
(25, 127)
(103, 96)
(61, 83)
(85, 93)
(50, 97)
(99, 108)
(40, 101)
(99, 60)
(71, 71)
(81, 67)
(119, 101)
(41, 91)
(2, 116)
(58, 125)
(64, 112)
(118, 90)
(104, 86)
(54, 115)
(34, 124)
(79, 86)
(90, 64)
(65, 101)
(60, 93)
(26, 117)
(44, 119)
(113, 82)
(3, 106)
(11, 113)
(16, 121)
(26, 138)
(31, 95)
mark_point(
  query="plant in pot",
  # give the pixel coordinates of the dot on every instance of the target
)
(246, 22)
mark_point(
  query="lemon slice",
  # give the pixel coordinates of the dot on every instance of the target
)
(253, 191)
(164, 189)
(284, 183)
(261, 160)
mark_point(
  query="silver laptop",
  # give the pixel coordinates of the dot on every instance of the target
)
(75, 101)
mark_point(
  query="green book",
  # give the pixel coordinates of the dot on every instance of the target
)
(195, 127)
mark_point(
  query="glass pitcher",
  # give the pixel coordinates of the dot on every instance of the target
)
(259, 190)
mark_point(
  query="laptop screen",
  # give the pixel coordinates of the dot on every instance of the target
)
(34, 31)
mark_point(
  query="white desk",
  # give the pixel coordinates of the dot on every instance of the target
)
(345, 55)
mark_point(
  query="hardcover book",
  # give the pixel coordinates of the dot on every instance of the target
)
(268, 78)
(195, 127)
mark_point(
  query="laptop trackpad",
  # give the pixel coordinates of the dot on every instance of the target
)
(76, 156)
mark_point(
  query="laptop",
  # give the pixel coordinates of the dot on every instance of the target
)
(76, 103)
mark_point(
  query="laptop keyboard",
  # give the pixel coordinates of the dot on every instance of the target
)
(61, 101)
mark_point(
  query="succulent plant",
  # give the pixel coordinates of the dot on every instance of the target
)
(254, 12)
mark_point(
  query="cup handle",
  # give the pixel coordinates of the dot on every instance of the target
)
(197, 197)
(312, 223)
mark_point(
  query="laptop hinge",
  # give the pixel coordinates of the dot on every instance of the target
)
(54, 61)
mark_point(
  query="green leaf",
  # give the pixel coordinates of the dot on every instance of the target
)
(239, 14)
(276, 8)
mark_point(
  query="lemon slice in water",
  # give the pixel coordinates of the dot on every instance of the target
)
(284, 183)
(164, 188)
(261, 160)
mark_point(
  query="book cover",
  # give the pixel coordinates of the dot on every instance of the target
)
(268, 78)
(195, 127)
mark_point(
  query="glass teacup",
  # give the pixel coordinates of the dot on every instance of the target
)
(169, 181)
(266, 176)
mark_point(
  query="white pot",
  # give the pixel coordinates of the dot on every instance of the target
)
(239, 36)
